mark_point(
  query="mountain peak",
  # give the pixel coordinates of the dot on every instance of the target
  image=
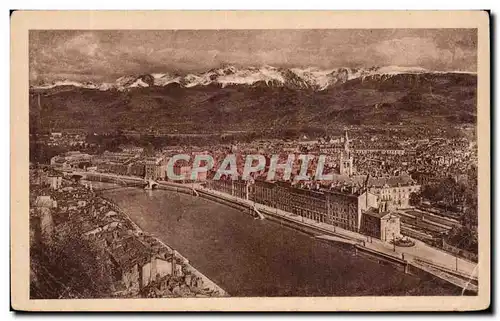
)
(228, 75)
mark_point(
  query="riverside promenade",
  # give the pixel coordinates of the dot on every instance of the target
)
(446, 266)
(456, 270)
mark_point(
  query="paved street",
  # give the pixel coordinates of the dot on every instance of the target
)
(420, 250)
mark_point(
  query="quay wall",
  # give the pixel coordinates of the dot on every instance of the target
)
(401, 264)
(231, 203)
(382, 258)
(208, 283)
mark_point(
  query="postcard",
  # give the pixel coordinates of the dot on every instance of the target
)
(250, 161)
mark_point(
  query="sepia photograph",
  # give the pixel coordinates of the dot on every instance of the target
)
(276, 164)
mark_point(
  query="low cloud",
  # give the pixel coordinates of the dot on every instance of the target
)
(90, 55)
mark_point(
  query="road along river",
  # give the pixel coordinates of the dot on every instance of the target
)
(249, 257)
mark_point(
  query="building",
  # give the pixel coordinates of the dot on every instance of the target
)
(41, 220)
(384, 151)
(263, 192)
(155, 167)
(346, 159)
(345, 207)
(381, 223)
(55, 180)
(424, 178)
(394, 189)
(306, 203)
(117, 163)
(341, 208)
(131, 149)
(330, 149)
(238, 188)
(117, 157)
(130, 163)
(150, 170)
(137, 168)
(56, 135)
(136, 265)
(72, 159)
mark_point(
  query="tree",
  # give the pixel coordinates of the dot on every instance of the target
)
(430, 192)
(463, 238)
(451, 195)
(415, 198)
(470, 218)
(42, 153)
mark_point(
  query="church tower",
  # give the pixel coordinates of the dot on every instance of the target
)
(346, 158)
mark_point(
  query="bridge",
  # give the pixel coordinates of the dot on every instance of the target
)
(113, 178)
(147, 183)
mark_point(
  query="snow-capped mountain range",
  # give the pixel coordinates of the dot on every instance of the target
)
(299, 78)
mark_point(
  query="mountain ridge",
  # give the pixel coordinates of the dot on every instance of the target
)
(413, 99)
(295, 78)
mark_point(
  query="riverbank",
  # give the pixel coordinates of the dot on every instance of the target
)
(156, 212)
(438, 264)
(212, 289)
(98, 234)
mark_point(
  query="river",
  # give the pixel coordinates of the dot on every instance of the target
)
(249, 257)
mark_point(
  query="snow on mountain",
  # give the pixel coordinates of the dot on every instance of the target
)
(127, 82)
(314, 77)
(124, 81)
(165, 79)
(250, 76)
(138, 83)
(297, 78)
(67, 83)
(193, 80)
(394, 70)
(106, 86)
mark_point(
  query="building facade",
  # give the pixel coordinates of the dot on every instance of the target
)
(238, 188)
(155, 168)
(397, 194)
(345, 207)
(381, 223)
(341, 208)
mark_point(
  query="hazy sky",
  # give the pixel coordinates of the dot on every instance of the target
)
(106, 55)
